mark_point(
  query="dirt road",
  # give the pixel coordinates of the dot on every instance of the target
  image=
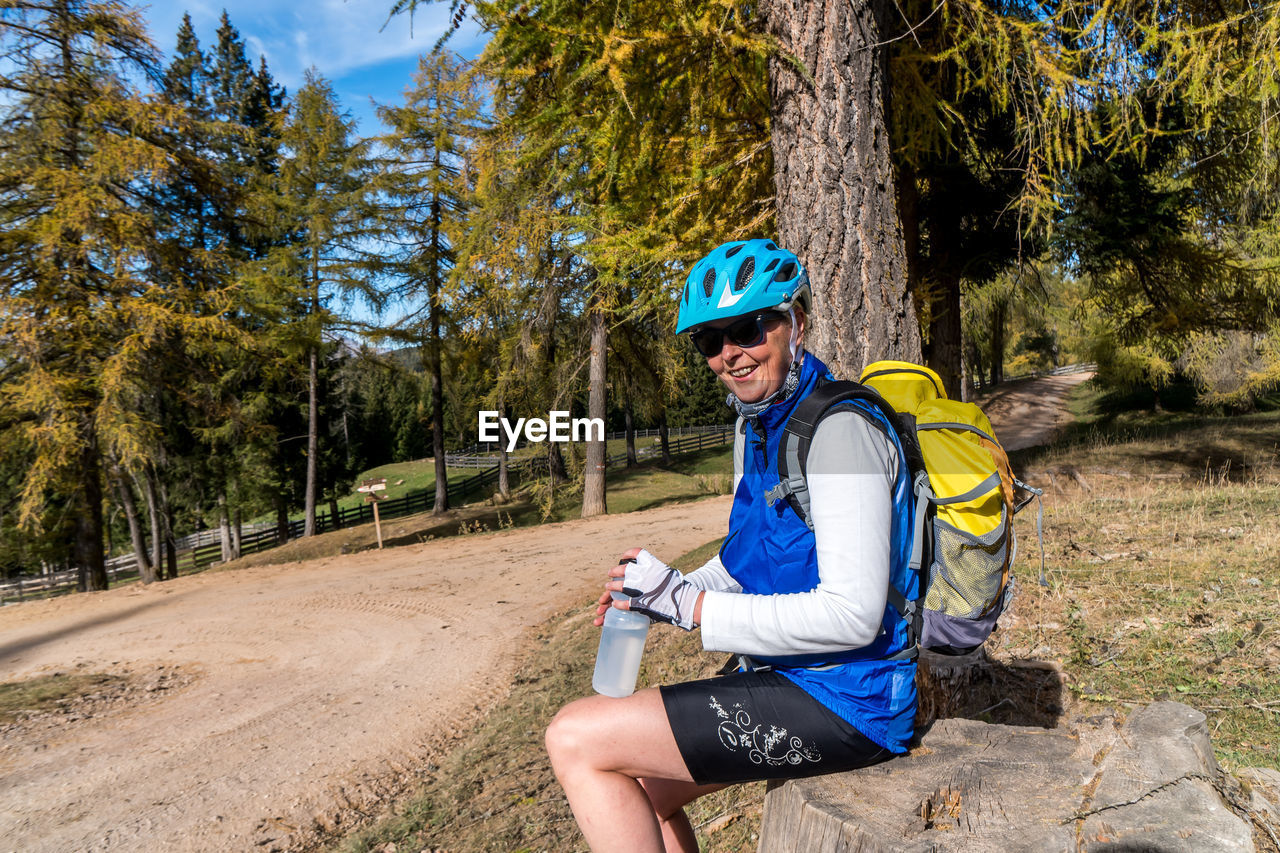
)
(261, 700)
(1028, 412)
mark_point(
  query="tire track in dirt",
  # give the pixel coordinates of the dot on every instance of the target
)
(317, 686)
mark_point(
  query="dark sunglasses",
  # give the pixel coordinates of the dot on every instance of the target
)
(747, 332)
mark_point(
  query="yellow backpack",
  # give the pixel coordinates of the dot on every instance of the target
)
(963, 544)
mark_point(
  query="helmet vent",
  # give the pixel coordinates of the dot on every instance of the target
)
(735, 250)
(773, 263)
(709, 282)
(786, 272)
(745, 273)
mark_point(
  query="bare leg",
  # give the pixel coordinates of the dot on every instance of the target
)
(600, 748)
(669, 797)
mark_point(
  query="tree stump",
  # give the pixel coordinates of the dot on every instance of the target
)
(1021, 692)
(944, 683)
(1151, 784)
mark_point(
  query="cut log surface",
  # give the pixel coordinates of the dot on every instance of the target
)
(1151, 784)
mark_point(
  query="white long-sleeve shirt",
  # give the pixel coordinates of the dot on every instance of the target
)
(851, 471)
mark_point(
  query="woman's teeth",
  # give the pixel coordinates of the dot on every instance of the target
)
(741, 372)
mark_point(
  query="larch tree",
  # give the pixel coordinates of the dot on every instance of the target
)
(865, 98)
(318, 208)
(596, 101)
(79, 152)
(427, 189)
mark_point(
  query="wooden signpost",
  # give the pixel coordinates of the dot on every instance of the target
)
(371, 489)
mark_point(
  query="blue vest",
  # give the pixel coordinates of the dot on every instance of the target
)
(769, 550)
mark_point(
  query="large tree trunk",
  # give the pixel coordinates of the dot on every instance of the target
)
(998, 312)
(593, 484)
(945, 350)
(837, 198)
(282, 518)
(166, 531)
(88, 518)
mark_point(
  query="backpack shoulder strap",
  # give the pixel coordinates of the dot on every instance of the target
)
(793, 449)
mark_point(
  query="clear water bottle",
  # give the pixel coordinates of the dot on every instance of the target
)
(621, 647)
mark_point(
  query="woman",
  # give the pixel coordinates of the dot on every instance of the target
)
(829, 681)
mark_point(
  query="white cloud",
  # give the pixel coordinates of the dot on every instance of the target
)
(336, 36)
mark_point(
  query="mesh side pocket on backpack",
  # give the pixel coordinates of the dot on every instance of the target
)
(968, 571)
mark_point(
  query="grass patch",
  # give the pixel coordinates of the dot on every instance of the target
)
(19, 699)
(1160, 552)
(495, 790)
(403, 478)
(691, 476)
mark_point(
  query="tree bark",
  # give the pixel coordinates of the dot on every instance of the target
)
(504, 475)
(333, 513)
(313, 439)
(124, 493)
(629, 427)
(945, 350)
(166, 531)
(593, 483)
(282, 519)
(148, 487)
(664, 438)
(998, 312)
(90, 559)
(224, 529)
(555, 464)
(837, 197)
(436, 361)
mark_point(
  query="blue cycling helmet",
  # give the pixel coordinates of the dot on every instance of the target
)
(739, 278)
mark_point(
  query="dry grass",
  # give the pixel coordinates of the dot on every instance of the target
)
(692, 476)
(1161, 556)
(1161, 541)
(20, 699)
(495, 790)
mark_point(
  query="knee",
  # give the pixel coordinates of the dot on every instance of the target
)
(569, 735)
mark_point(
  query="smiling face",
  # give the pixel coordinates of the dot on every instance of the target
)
(752, 373)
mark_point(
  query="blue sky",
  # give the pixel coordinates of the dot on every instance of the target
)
(344, 39)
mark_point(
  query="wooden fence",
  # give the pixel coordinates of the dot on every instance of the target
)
(204, 548)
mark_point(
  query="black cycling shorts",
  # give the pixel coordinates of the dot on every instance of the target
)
(747, 726)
